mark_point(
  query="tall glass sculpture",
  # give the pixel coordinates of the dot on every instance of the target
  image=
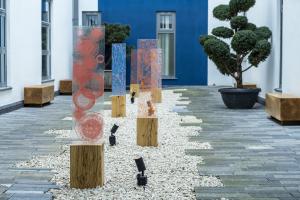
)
(88, 82)
(133, 67)
(146, 107)
(119, 69)
(156, 65)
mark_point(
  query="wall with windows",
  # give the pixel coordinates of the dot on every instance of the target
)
(191, 21)
(266, 76)
(86, 5)
(25, 44)
(291, 44)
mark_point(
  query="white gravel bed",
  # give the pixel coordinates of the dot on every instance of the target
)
(171, 173)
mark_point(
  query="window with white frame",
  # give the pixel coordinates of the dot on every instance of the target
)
(91, 18)
(166, 29)
(3, 56)
(46, 40)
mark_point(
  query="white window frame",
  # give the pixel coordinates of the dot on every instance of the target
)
(159, 30)
(89, 14)
(47, 25)
(3, 49)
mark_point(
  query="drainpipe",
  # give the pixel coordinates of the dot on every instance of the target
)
(75, 12)
(279, 89)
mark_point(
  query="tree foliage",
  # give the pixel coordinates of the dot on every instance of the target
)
(244, 40)
(115, 33)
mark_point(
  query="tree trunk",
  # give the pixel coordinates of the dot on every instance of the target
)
(239, 78)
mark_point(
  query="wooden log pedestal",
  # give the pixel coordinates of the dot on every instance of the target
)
(147, 132)
(38, 94)
(118, 106)
(283, 107)
(135, 88)
(65, 87)
(156, 95)
(86, 166)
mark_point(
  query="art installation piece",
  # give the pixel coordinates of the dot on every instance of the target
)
(88, 94)
(134, 84)
(119, 69)
(147, 121)
(144, 63)
(156, 66)
(88, 82)
(118, 80)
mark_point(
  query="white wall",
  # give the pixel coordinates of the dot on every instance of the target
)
(24, 48)
(24, 44)
(291, 44)
(86, 5)
(266, 76)
(62, 41)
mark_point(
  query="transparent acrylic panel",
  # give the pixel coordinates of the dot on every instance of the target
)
(144, 62)
(156, 65)
(88, 82)
(133, 67)
(146, 108)
(119, 69)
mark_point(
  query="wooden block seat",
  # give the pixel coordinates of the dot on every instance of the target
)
(65, 87)
(283, 107)
(38, 94)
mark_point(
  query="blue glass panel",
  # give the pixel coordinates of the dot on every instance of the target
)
(119, 69)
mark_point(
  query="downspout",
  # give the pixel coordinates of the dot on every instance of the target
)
(279, 89)
(75, 13)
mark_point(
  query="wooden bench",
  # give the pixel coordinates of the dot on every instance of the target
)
(38, 94)
(283, 107)
(65, 87)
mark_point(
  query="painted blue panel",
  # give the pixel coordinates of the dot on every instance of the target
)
(119, 69)
(191, 22)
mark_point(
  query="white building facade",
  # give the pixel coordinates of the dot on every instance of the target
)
(267, 75)
(36, 43)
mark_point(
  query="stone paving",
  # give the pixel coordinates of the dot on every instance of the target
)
(255, 158)
(22, 136)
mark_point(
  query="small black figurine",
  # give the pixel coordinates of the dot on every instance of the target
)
(141, 177)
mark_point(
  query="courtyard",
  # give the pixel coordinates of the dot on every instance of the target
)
(230, 154)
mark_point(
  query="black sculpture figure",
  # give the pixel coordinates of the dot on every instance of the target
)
(112, 137)
(132, 97)
(141, 177)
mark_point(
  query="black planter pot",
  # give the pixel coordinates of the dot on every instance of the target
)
(236, 98)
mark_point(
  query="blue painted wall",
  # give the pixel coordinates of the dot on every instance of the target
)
(191, 22)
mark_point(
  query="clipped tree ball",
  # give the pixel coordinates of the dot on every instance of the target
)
(238, 22)
(222, 12)
(243, 41)
(236, 6)
(263, 33)
(250, 26)
(203, 38)
(217, 50)
(260, 53)
(223, 32)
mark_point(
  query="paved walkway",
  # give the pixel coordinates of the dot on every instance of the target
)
(22, 136)
(255, 158)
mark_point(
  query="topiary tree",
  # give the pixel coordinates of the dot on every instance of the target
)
(115, 33)
(246, 41)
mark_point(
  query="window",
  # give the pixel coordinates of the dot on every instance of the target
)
(91, 18)
(3, 63)
(166, 28)
(46, 40)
